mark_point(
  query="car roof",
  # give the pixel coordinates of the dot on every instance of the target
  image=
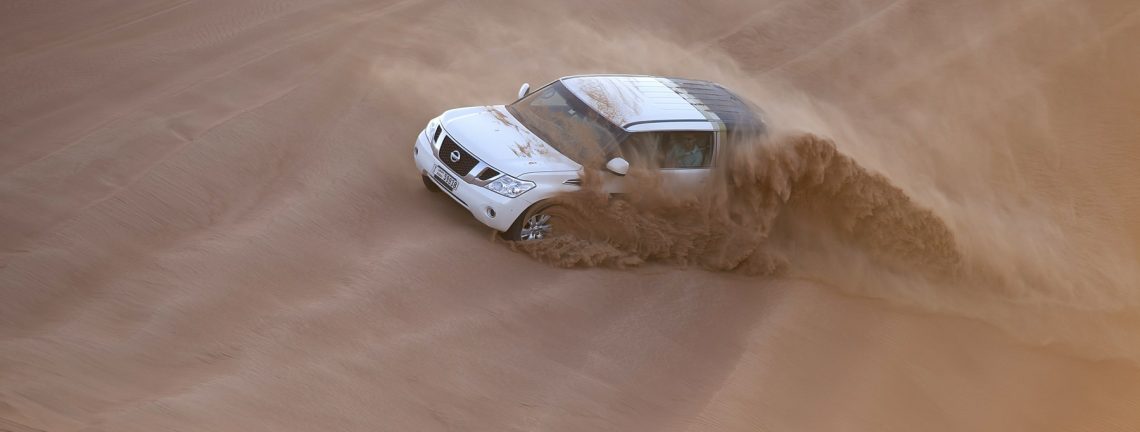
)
(642, 102)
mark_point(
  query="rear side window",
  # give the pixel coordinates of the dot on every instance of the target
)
(677, 149)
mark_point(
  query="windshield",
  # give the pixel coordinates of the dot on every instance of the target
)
(568, 124)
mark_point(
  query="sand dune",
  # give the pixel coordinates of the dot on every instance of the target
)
(209, 220)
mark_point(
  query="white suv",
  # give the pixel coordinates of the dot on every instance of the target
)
(504, 162)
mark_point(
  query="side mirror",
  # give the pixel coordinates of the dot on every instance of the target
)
(618, 166)
(524, 90)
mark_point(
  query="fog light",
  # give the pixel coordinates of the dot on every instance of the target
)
(415, 150)
(490, 212)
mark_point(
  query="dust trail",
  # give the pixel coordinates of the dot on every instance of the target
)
(795, 205)
(729, 225)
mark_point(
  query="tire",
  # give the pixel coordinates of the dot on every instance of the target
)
(524, 228)
(429, 184)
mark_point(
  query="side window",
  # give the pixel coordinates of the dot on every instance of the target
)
(641, 149)
(686, 149)
(678, 149)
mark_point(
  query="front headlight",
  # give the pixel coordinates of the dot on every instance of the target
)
(510, 187)
(430, 130)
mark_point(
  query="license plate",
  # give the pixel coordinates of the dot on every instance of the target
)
(447, 179)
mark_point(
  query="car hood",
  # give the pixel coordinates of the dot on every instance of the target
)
(497, 138)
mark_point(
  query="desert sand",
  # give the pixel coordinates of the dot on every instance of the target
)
(210, 221)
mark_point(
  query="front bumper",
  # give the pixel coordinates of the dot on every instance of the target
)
(481, 202)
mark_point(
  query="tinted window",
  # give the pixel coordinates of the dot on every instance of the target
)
(680, 149)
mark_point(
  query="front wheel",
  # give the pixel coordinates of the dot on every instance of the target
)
(539, 222)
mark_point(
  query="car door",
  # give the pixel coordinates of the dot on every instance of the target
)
(684, 158)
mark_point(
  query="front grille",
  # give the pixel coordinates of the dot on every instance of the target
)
(463, 163)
